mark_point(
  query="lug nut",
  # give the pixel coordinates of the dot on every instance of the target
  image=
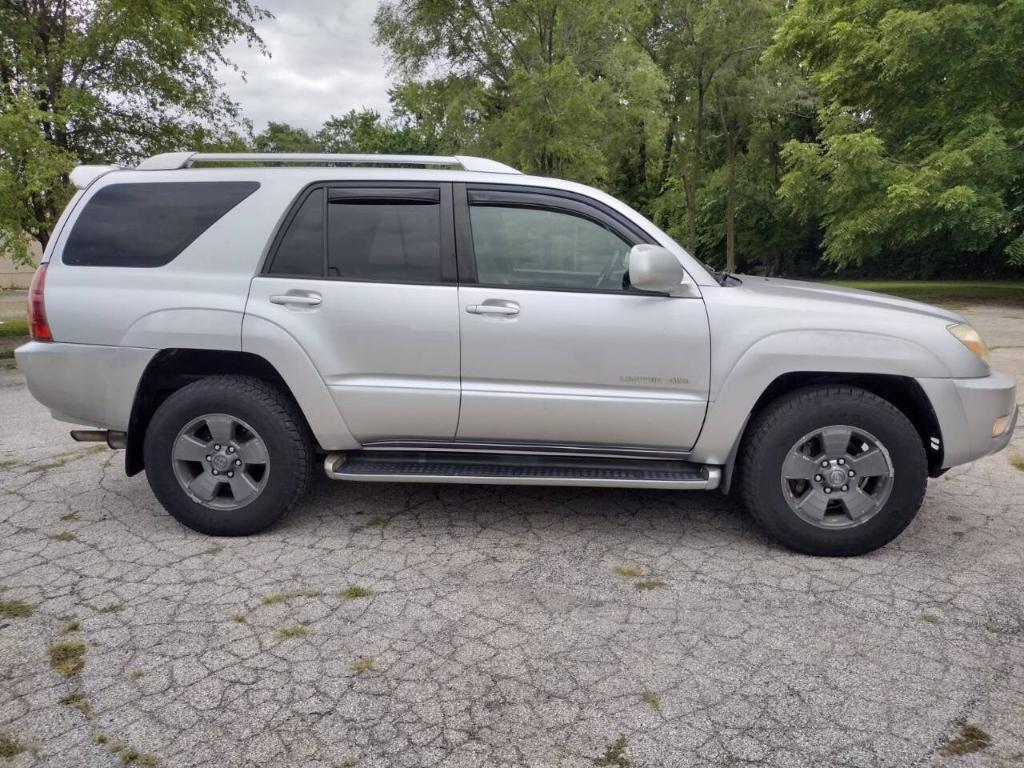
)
(851, 473)
(842, 461)
(828, 490)
(817, 478)
(231, 449)
(216, 472)
(824, 463)
(238, 462)
(846, 487)
(208, 458)
(216, 447)
(232, 474)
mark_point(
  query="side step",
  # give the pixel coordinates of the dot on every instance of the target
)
(518, 469)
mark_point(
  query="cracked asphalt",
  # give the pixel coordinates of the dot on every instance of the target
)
(416, 625)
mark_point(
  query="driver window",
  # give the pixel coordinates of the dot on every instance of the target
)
(536, 248)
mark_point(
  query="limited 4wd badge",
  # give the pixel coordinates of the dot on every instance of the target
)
(672, 381)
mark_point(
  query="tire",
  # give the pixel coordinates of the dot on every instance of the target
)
(861, 514)
(263, 426)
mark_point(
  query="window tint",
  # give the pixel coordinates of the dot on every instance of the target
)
(148, 225)
(535, 248)
(374, 238)
(301, 249)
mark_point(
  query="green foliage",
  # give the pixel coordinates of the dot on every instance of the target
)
(100, 82)
(922, 129)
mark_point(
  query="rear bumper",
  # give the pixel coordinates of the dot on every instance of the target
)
(84, 383)
(967, 410)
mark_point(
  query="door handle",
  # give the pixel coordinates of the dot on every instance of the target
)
(309, 299)
(494, 307)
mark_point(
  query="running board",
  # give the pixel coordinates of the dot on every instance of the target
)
(518, 469)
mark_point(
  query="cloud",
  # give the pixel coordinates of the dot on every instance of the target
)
(323, 62)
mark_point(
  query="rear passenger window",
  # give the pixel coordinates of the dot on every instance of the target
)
(148, 224)
(384, 235)
(301, 250)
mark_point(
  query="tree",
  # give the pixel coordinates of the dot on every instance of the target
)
(920, 156)
(103, 81)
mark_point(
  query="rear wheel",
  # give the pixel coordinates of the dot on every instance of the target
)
(833, 470)
(228, 455)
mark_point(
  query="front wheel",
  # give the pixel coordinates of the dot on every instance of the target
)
(228, 455)
(833, 470)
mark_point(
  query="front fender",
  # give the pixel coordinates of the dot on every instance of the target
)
(801, 351)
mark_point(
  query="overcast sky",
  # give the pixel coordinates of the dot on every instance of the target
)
(323, 62)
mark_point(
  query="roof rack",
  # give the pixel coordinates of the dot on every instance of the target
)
(170, 161)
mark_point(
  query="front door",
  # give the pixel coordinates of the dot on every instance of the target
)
(363, 278)
(556, 347)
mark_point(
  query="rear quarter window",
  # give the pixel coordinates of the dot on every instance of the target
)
(148, 224)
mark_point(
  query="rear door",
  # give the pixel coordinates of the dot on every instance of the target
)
(557, 348)
(363, 276)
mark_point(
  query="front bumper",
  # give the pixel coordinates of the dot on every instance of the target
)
(967, 410)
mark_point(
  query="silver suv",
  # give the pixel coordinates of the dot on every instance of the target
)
(231, 320)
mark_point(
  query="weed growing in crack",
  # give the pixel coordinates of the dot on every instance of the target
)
(992, 626)
(376, 522)
(1016, 461)
(615, 755)
(284, 597)
(69, 627)
(627, 571)
(239, 618)
(14, 609)
(69, 517)
(288, 632)
(362, 665)
(650, 698)
(10, 747)
(112, 608)
(8, 463)
(67, 657)
(78, 701)
(354, 592)
(136, 674)
(969, 739)
(62, 536)
(214, 549)
(930, 618)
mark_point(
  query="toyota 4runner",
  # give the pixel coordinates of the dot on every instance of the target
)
(233, 320)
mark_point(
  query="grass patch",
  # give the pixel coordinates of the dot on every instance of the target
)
(286, 633)
(10, 747)
(376, 522)
(16, 326)
(650, 698)
(992, 626)
(8, 463)
(627, 571)
(362, 665)
(649, 584)
(354, 592)
(69, 627)
(78, 701)
(284, 597)
(930, 618)
(14, 609)
(62, 536)
(215, 549)
(67, 657)
(6, 354)
(112, 608)
(239, 618)
(1016, 461)
(66, 458)
(615, 755)
(969, 739)
(946, 291)
(136, 674)
(69, 517)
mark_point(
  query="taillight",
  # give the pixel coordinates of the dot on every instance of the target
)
(38, 326)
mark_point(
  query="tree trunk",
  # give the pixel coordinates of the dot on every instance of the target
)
(730, 208)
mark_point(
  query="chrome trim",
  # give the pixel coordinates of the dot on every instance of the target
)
(534, 449)
(712, 476)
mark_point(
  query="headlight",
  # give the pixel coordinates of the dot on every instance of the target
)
(971, 339)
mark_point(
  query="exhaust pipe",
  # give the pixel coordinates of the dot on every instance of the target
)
(111, 437)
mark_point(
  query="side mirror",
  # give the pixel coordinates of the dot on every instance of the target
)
(656, 269)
